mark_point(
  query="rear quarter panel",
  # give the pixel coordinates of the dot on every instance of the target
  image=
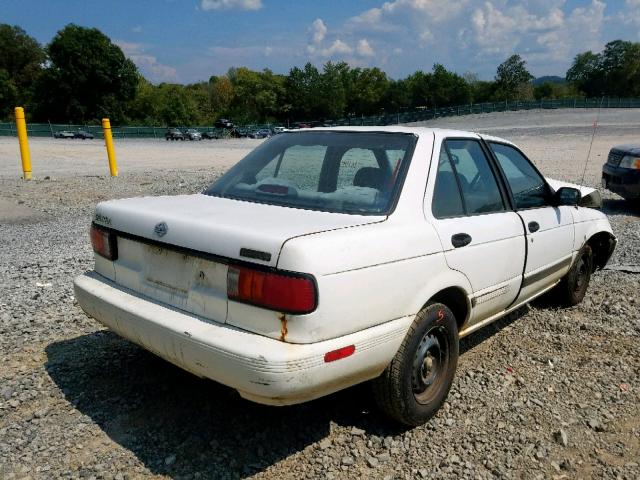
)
(366, 276)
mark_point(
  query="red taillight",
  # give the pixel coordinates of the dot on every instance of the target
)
(338, 354)
(282, 292)
(104, 243)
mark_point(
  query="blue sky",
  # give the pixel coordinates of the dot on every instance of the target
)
(189, 40)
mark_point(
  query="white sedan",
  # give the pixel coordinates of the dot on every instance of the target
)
(329, 257)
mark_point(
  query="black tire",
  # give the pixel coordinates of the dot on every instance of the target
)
(573, 286)
(417, 381)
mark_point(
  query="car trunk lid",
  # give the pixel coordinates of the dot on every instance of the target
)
(176, 249)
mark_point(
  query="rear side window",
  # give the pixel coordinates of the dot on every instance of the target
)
(475, 181)
(528, 188)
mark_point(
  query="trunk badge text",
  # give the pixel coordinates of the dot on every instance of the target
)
(161, 229)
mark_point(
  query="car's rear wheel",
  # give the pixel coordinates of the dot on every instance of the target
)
(573, 286)
(416, 382)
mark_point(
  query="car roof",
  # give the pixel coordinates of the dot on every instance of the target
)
(443, 132)
(633, 148)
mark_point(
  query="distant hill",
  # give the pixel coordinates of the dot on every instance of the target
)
(550, 79)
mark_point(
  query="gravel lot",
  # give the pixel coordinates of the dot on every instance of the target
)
(545, 393)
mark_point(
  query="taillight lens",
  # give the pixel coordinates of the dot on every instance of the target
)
(104, 242)
(287, 293)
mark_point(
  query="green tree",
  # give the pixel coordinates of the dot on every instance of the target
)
(448, 88)
(87, 77)
(511, 77)
(145, 106)
(368, 90)
(333, 89)
(176, 107)
(222, 94)
(303, 89)
(585, 73)
(21, 59)
(632, 71)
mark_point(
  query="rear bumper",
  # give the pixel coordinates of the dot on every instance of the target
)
(623, 181)
(261, 369)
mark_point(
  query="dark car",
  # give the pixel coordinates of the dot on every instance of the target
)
(64, 134)
(83, 135)
(239, 133)
(174, 134)
(193, 134)
(210, 135)
(223, 123)
(262, 133)
(621, 173)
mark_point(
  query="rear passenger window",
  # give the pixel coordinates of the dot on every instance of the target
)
(480, 192)
(446, 196)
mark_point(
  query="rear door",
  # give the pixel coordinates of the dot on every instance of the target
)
(481, 236)
(549, 229)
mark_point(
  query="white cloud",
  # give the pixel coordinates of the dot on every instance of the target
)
(323, 45)
(148, 64)
(403, 36)
(630, 16)
(479, 34)
(318, 30)
(337, 47)
(364, 48)
(231, 4)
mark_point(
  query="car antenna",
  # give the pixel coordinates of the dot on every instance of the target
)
(593, 135)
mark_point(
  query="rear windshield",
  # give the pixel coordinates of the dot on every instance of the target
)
(345, 172)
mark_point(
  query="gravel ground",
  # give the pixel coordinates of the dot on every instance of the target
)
(544, 393)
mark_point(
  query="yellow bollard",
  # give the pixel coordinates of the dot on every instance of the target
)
(21, 127)
(108, 141)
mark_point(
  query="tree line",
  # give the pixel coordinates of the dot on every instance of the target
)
(82, 76)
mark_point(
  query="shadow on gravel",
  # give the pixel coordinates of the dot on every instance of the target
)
(178, 424)
(476, 338)
(612, 206)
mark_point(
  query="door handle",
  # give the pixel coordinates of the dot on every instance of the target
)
(534, 227)
(460, 240)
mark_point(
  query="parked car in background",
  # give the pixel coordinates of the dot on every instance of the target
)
(223, 123)
(277, 130)
(238, 132)
(83, 135)
(174, 134)
(64, 134)
(193, 134)
(262, 133)
(210, 135)
(621, 173)
(330, 257)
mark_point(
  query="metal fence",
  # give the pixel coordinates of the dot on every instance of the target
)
(417, 115)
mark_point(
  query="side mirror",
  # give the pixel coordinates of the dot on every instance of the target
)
(567, 196)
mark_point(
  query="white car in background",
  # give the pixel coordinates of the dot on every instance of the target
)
(332, 256)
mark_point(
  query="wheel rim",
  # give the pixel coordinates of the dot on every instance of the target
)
(430, 364)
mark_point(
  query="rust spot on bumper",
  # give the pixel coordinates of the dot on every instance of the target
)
(283, 327)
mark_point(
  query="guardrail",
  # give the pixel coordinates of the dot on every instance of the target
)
(417, 115)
